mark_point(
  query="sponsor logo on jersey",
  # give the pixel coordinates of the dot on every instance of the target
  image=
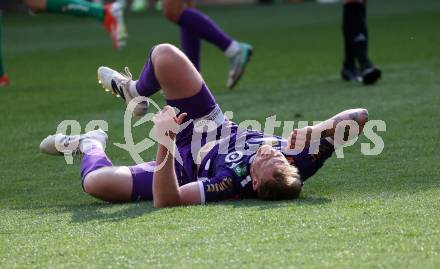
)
(246, 181)
(224, 185)
(234, 156)
(240, 170)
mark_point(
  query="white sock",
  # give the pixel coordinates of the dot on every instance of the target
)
(233, 49)
(88, 144)
(132, 88)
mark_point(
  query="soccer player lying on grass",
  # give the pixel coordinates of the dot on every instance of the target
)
(227, 163)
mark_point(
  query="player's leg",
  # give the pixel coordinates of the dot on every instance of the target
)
(71, 7)
(184, 89)
(4, 79)
(173, 71)
(178, 78)
(104, 181)
(110, 14)
(195, 25)
(116, 183)
(99, 177)
(168, 69)
(355, 31)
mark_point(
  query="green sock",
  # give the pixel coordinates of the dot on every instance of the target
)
(2, 70)
(76, 8)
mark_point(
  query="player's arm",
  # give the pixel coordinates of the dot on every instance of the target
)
(166, 190)
(327, 128)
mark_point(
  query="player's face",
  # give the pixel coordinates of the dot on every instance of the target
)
(265, 161)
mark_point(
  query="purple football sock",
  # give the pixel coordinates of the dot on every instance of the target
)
(93, 160)
(199, 24)
(191, 45)
(195, 106)
(147, 84)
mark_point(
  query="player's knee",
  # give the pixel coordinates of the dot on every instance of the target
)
(165, 55)
(164, 49)
(92, 183)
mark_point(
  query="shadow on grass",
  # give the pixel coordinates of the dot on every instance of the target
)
(95, 211)
(117, 212)
(265, 205)
(113, 212)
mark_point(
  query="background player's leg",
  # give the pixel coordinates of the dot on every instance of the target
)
(191, 45)
(197, 25)
(194, 26)
(190, 41)
(110, 14)
(2, 70)
(349, 70)
(355, 31)
(4, 80)
(71, 7)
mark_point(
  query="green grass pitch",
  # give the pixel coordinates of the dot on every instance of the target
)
(357, 212)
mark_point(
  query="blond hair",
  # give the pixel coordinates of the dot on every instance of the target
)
(285, 184)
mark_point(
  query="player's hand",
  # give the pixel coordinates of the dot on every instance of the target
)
(299, 139)
(166, 124)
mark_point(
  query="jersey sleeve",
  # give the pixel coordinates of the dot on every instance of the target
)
(218, 188)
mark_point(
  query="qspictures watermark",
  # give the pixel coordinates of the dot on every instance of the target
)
(345, 135)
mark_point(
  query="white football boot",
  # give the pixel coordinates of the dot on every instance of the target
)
(119, 85)
(60, 144)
